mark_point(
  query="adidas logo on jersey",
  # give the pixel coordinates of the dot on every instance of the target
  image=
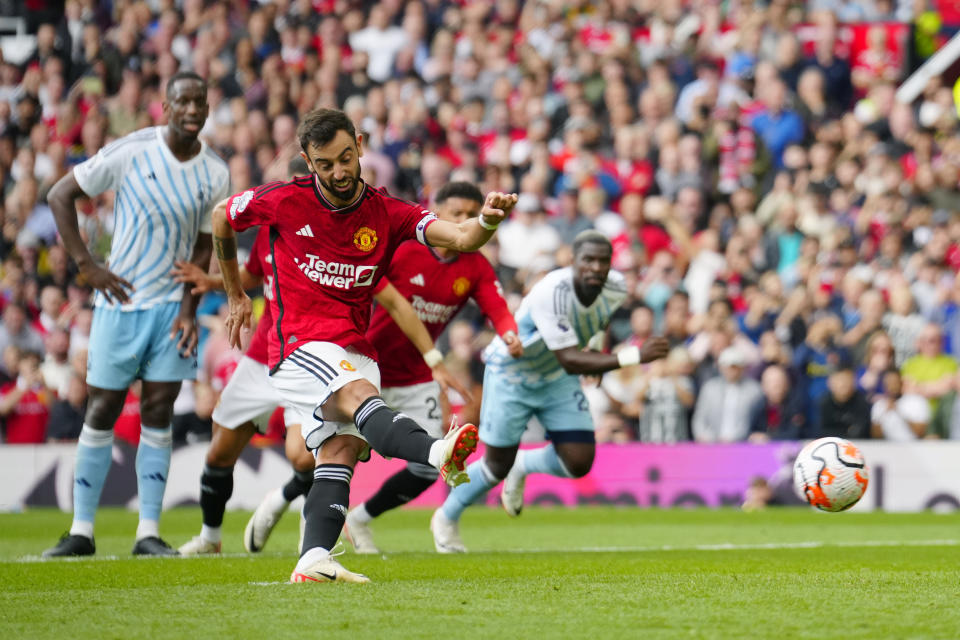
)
(305, 231)
(418, 280)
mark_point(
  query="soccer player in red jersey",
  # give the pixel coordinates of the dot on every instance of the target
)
(438, 283)
(248, 401)
(332, 238)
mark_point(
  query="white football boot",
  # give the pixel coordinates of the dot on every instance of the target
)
(446, 534)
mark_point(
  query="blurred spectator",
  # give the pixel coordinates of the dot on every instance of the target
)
(15, 331)
(67, 413)
(25, 403)
(844, 410)
(667, 395)
(930, 373)
(779, 414)
(895, 416)
(877, 362)
(816, 359)
(725, 402)
(56, 368)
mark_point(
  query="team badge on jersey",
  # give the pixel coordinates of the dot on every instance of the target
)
(346, 366)
(461, 286)
(365, 239)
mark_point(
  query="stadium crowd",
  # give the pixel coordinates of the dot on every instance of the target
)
(790, 226)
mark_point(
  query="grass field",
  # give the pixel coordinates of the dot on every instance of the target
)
(553, 573)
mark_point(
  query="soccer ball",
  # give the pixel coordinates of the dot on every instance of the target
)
(830, 474)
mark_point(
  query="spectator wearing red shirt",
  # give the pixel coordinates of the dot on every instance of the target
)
(25, 404)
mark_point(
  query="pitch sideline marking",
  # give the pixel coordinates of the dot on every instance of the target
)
(813, 544)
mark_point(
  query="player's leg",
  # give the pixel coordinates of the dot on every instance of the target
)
(216, 484)
(277, 501)
(325, 509)
(153, 463)
(565, 414)
(244, 409)
(504, 413)
(163, 370)
(116, 347)
(355, 398)
(421, 404)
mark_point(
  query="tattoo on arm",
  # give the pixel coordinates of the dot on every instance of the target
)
(226, 248)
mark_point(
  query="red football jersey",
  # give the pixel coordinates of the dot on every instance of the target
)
(260, 264)
(437, 289)
(326, 260)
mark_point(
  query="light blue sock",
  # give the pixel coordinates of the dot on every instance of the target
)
(153, 465)
(542, 460)
(94, 454)
(481, 481)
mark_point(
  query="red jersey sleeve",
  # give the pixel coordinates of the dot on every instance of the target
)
(409, 220)
(252, 207)
(488, 294)
(380, 286)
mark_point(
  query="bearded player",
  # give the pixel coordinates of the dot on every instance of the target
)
(332, 239)
(438, 283)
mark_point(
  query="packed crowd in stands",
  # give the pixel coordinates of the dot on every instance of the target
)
(791, 227)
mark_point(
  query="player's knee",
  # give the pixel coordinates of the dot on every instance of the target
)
(341, 449)
(353, 394)
(103, 411)
(498, 468)
(302, 460)
(579, 468)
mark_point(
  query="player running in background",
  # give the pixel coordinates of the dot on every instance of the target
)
(332, 238)
(249, 399)
(438, 282)
(166, 181)
(557, 319)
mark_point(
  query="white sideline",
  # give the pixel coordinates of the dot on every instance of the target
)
(722, 546)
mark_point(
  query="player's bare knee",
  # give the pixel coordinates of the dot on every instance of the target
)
(349, 397)
(341, 449)
(577, 458)
(227, 444)
(156, 403)
(104, 407)
(303, 460)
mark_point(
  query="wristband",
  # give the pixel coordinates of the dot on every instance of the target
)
(629, 356)
(433, 357)
(487, 225)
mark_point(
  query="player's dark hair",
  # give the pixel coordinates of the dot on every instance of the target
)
(183, 75)
(320, 126)
(590, 236)
(465, 190)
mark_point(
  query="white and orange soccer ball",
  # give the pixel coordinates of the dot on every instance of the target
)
(831, 474)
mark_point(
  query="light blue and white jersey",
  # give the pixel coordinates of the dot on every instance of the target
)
(160, 206)
(551, 318)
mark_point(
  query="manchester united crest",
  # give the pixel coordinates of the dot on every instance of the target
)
(461, 286)
(365, 239)
(346, 366)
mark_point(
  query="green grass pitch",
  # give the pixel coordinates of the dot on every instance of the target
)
(552, 573)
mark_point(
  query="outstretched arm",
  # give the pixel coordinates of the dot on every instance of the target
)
(186, 322)
(472, 234)
(240, 312)
(61, 199)
(576, 361)
(405, 316)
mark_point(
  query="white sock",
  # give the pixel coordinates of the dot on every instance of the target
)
(147, 529)
(275, 501)
(360, 514)
(310, 558)
(81, 528)
(210, 534)
(436, 455)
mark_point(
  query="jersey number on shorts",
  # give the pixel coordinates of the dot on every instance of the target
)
(581, 401)
(432, 412)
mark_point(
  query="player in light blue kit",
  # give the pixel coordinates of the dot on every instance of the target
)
(556, 320)
(166, 182)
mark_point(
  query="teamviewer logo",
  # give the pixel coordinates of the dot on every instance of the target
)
(364, 275)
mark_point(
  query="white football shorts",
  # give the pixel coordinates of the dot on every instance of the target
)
(419, 401)
(249, 396)
(308, 377)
